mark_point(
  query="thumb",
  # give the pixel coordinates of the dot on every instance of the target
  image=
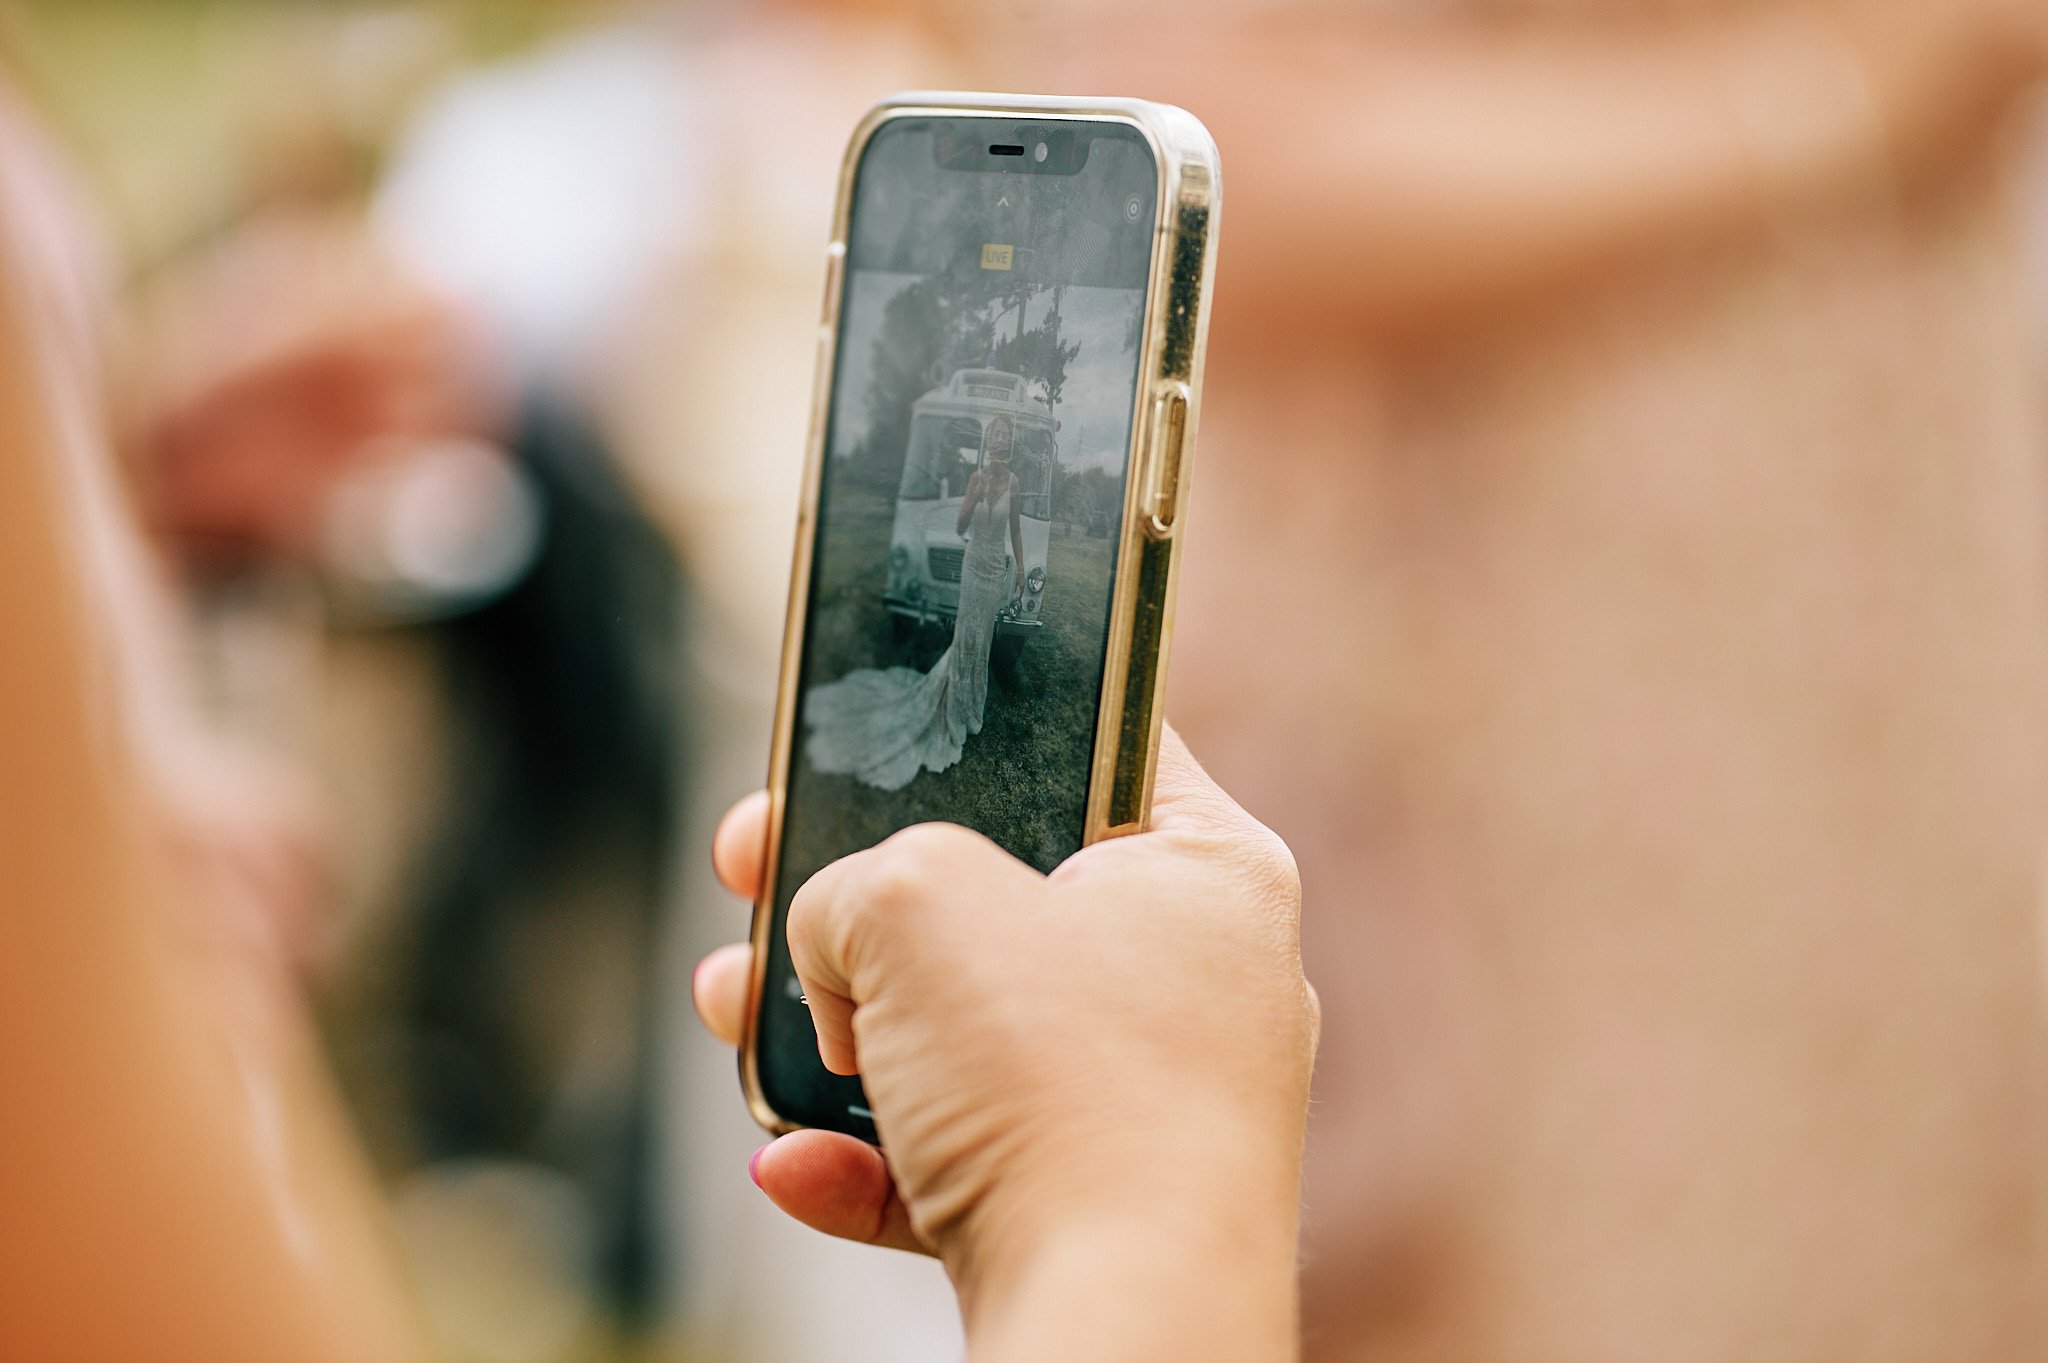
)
(849, 923)
(819, 938)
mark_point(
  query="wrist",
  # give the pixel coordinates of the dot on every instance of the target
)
(1180, 1248)
(1162, 1282)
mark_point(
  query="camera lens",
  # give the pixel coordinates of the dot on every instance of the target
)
(1038, 152)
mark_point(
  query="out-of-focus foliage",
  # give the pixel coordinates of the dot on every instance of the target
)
(187, 109)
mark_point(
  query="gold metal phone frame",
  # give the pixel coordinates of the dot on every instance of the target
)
(1176, 328)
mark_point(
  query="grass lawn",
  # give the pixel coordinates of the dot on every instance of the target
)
(1023, 779)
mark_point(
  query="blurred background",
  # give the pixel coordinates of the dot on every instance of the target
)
(469, 347)
(458, 360)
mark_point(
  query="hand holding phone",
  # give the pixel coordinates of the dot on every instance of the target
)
(1124, 1043)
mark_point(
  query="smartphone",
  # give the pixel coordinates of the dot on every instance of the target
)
(1010, 356)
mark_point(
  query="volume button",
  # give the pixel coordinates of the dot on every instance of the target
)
(1169, 436)
(835, 260)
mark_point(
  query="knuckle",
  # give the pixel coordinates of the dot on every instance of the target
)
(921, 841)
(929, 855)
(940, 840)
(892, 875)
(875, 891)
(905, 875)
(893, 885)
(1268, 863)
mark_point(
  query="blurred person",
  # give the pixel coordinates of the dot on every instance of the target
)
(1665, 770)
(178, 1180)
(314, 422)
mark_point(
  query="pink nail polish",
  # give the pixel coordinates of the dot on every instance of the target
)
(754, 1166)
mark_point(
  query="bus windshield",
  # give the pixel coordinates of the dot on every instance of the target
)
(943, 453)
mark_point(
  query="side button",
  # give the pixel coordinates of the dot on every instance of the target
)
(835, 260)
(1169, 435)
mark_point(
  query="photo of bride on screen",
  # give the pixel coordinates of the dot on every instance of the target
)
(972, 488)
(884, 725)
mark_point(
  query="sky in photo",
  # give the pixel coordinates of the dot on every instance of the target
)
(1095, 411)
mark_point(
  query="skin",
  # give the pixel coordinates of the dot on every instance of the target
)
(1033, 1060)
(171, 1131)
(1396, 182)
(1667, 779)
(990, 482)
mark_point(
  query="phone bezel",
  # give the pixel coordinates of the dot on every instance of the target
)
(1175, 329)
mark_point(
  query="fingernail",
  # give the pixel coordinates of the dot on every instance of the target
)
(754, 1166)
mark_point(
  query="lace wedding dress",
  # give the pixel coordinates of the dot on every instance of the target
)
(884, 725)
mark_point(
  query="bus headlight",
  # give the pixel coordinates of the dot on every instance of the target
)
(1034, 581)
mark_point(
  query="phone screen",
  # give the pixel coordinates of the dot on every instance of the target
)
(968, 517)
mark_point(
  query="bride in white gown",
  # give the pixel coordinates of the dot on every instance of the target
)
(884, 725)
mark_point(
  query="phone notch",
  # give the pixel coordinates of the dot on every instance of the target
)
(1049, 148)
